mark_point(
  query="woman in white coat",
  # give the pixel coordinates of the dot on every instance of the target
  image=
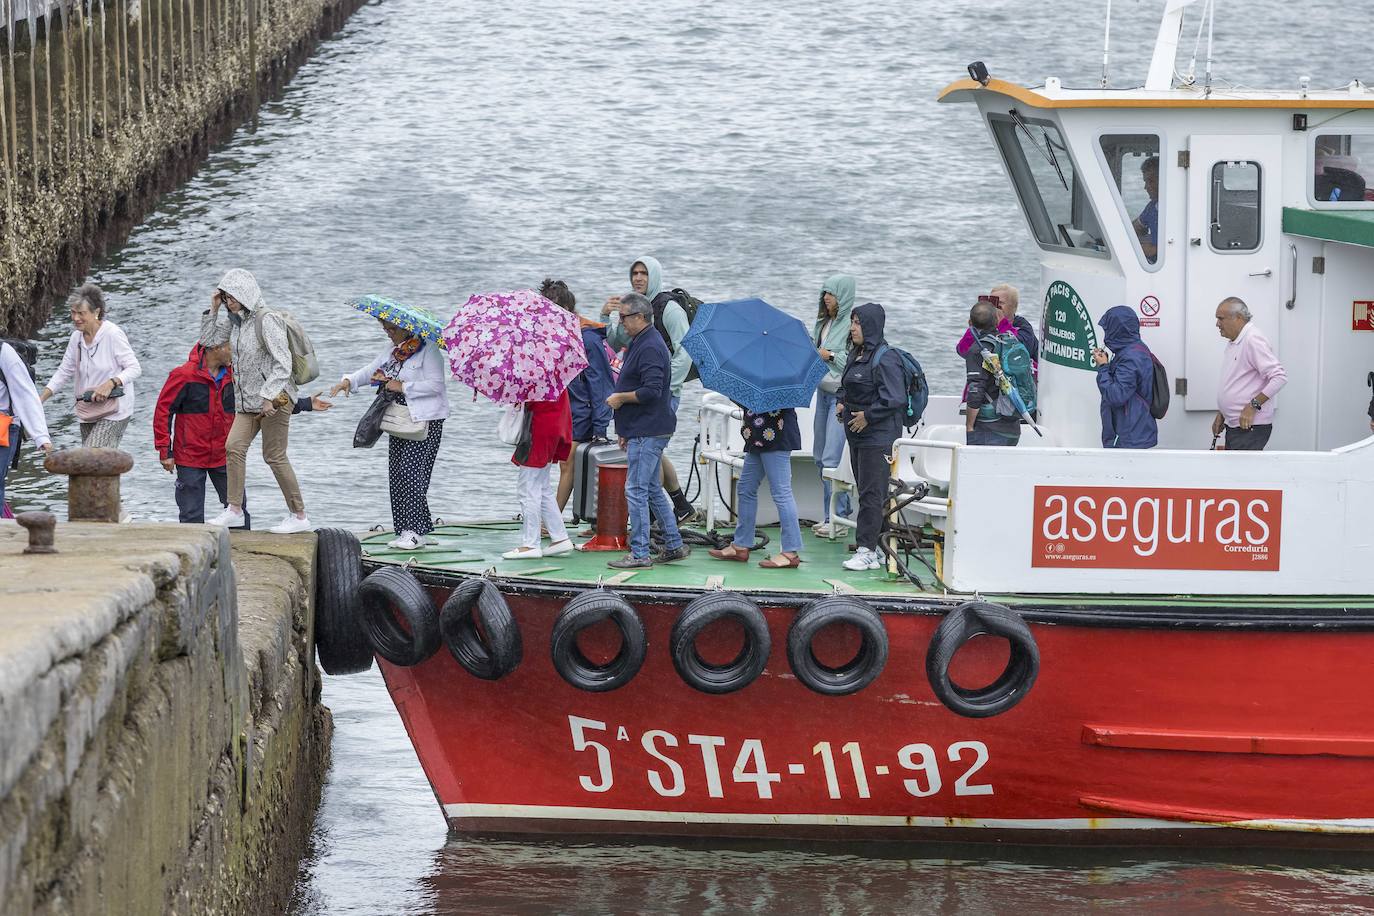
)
(413, 369)
(100, 361)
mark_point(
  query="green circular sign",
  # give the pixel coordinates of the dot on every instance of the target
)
(1069, 333)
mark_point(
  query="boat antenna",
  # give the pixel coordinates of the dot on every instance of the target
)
(1107, 44)
(1211, 21)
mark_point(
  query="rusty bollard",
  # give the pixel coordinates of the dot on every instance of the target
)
(93, 481)
(40, 526)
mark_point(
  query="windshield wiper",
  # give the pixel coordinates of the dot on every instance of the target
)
(1047, 151)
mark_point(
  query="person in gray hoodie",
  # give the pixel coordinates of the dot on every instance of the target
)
(831, 336)
(263, 392)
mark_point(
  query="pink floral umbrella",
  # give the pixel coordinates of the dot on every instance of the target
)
(515, 347)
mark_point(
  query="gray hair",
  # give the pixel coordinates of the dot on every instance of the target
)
(91, 297)
(638, 305)
(1237, 306)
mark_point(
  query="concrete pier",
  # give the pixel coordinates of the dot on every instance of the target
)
(162, 745)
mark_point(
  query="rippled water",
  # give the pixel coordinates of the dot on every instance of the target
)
(433, 150)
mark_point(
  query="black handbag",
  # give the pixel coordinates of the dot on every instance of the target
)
(522, 448)
(370, 426)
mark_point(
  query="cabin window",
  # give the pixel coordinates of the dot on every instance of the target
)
(1235, 206)
(1133, 165)
(1048, 185)
(1343, 169)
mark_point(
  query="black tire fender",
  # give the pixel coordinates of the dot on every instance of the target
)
(496, 650)
(733, 675)
(390, 591)
(852, 676)
(340, 642)
(589, 608)
(982, 618)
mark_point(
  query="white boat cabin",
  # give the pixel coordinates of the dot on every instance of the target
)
(1268, 196)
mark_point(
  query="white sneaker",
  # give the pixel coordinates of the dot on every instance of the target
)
(864, 559)
(291, 525)
(562, 548)
(408, 540)
(522, 554)
(228, 519)
(823, 529)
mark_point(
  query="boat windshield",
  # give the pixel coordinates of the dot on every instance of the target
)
(1047, 182)
(1133, 166)
(1343, 169)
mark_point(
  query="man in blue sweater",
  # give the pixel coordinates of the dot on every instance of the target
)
(644, 421)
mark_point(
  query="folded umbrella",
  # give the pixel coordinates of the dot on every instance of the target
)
(515, 347)
(407, 317)
(756, 355)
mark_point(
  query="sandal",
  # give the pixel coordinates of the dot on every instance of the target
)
(790, 561)
(738, 554)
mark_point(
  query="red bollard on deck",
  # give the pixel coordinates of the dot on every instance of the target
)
(612, 513)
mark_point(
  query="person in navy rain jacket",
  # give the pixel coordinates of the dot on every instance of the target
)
(1126, 381)
(591, 415)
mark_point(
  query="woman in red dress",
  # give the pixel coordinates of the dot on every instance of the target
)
(550, 442)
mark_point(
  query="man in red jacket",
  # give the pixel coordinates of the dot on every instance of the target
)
(200, 395)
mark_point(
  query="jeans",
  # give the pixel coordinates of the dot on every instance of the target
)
(871, 473)
(777, 466)
(828, 449)
(981, 436)
(644, 493)
(190, 492)
(539, 506)
(1253, 439)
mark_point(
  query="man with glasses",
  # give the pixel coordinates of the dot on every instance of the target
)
(644, 421)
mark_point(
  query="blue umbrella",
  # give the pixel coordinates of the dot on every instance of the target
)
(757, 356)
(418, 321)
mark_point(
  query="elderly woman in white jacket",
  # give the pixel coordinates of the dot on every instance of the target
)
(413, 369)
(100, 360)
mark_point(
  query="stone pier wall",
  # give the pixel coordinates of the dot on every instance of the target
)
(105, 104)
(162, 745)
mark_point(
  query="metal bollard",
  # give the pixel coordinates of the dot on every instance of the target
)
(93, 481)
(612, 512)
(40, 526)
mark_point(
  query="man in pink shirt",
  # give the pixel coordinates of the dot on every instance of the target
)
(1250, 377)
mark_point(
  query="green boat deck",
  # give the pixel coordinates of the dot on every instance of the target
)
(476, 547)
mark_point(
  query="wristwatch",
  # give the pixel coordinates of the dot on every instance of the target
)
(1255, 403)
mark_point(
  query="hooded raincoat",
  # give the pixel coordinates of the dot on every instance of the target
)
(260, 373)
(1126, 383)
(674, 328)
(879, 391)
(835, 338)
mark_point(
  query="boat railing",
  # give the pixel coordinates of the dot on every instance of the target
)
(720, 421)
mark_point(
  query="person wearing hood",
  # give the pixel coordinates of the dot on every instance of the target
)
(670, 318)
(831, 336)
(872, 393)
(100, 362)
(263, 397)
(1126, 380)
(591, 415)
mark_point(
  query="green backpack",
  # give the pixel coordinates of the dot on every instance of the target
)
(1016, 365)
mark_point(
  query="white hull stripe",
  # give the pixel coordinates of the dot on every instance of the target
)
(630, 815)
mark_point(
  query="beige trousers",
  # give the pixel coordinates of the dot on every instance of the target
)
(274, 435)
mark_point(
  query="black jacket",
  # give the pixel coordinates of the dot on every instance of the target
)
(878, 391)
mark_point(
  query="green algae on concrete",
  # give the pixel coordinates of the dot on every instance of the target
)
(164, 743)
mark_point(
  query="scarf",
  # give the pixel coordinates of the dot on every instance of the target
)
(399, 354)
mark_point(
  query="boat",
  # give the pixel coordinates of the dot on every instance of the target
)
(1068, 645)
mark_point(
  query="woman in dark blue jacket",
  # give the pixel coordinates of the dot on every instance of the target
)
(872, 391)
(1126, 382)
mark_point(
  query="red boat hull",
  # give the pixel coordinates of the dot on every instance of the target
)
(1132, 734)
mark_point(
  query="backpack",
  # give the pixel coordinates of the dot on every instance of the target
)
(917, 390)
(1016, 365)
(689, 304)
(305, 368)
(1159, 393)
